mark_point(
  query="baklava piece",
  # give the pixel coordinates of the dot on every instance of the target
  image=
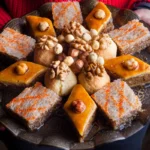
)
(118, 103)
(65, 12)
(15, 45)
(81, 110)
(21, 73)
(40, 26)
(100, 18)
(132, 37)
(130, 69)
(33, 105)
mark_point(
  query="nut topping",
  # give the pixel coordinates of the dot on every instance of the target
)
(131, 64)
(92, 57)
(87, 37)
(21, 68)
(43, 26)
(73, 53)
(95, 45)
(100, 61)
(58, 49)
(78, 106)
(93, 32)
(99, 14)
(61, 38)
(69, 60)
(69, 38)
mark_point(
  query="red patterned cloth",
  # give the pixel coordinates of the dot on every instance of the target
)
(18, 8)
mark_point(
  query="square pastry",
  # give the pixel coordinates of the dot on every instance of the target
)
(130, 69)
(100, 18)
(33, 105)
(118, 103)
(81, 110)
(21, 73)
(65, 12)
(15, 45)
(132, 37)
(40, 26)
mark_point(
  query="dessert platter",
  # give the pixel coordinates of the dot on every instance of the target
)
(75, 75)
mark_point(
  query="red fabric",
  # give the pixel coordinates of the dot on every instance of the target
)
(4, 17)
(18, 8)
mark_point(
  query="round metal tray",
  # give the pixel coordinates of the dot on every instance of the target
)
(57, 131)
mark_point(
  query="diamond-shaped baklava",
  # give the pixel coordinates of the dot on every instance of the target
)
(129, 68)
(21, 73)
(81, 110)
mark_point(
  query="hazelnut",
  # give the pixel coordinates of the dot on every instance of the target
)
(78, 106)
(92, 57)
(100, 61)
(73, 53)
(21, 68)
(58, 49)
(83, 56)
(69, 38)
(99, 14)
(50, 43)
(95, 45)
(87, 37)
(131, 64)
(43, 26)
(79, 63)
(61, 38)
(93, 32)
(69, 60)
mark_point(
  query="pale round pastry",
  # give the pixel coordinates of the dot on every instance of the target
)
(95, 83)
(108, 49)
(44, 57)
(60, 87)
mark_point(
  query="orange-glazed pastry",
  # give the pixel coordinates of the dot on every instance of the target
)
(34, 105)
(99, 18)
(21, 73)
(40, 26)
(65, 12)
(81, 110)
(129, 68)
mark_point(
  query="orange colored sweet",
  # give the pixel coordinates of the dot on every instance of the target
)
(9, 76)
(33, 22)
(98, 24)
(80, 120)
(115, 66)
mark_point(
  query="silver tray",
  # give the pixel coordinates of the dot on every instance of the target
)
(57, 131)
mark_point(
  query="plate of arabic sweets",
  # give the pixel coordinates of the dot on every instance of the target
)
(75, 75)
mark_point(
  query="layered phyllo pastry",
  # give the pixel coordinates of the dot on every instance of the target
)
(81, 110)
(39, 26)
(46, 49)
(33, 105)
(94, 76)
(15, 45)
(130, 69)
(118, 103)
(60, 78)
(100, 18)
(21, 73)
(132, 37)
(65, 12)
